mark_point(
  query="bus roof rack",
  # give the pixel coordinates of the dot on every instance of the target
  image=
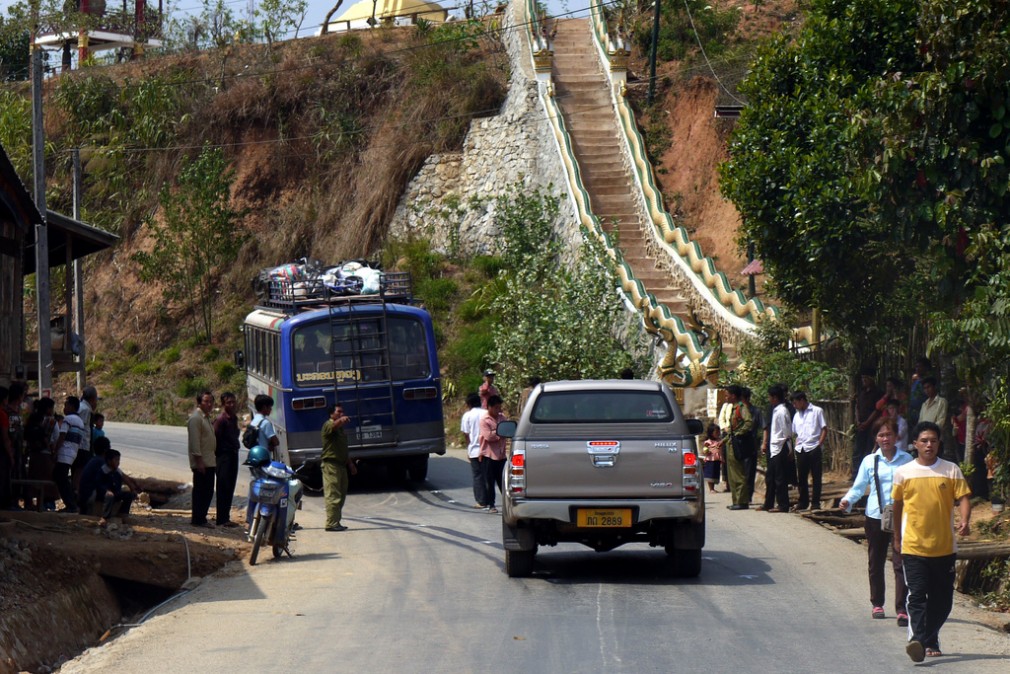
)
(292, 297)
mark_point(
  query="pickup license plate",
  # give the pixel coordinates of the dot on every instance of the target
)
(592, 517)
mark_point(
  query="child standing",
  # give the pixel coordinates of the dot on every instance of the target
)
(711, 450)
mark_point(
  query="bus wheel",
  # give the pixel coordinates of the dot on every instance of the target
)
(396, 470)
(418, 468)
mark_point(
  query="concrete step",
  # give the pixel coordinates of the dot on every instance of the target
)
(619, 217)
(587, 133)
(612, 198)
(596, 174)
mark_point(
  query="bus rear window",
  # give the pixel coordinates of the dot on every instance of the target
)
(601, 407)
(350, 352)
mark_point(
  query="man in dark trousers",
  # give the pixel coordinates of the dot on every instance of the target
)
(925, 492)
(866, 414)
(779, 434)
(226, 455)
(336, 466)
(202, 459)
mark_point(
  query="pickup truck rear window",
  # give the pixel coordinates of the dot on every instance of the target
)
(601, 407)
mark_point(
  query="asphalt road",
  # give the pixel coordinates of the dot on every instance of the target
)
(417, 584)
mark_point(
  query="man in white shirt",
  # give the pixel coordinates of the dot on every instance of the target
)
(68, 444)
(779, 433)
(934, 410)
(469, 425)
(810, 430)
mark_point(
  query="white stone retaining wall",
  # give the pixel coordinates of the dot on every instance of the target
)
(451, 201)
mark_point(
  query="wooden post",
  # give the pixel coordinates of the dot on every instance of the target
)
(41, 231)
(78, 322)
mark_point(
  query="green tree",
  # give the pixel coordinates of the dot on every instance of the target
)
(551, 320)
(794, 168)
(196, 235)
(15, 43)
(941, 172)
(276, 17)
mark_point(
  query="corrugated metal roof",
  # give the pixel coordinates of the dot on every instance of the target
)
(14, 197)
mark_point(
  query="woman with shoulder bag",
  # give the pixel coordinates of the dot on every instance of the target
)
(876, 473)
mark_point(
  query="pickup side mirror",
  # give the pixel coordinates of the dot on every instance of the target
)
(240, 360)
(694, 427)
(507, 429)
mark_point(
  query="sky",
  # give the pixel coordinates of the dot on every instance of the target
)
(317, 9)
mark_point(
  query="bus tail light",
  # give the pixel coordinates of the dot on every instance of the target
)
(313, 403)
(517, 472)
(423, 393)
(689, 471)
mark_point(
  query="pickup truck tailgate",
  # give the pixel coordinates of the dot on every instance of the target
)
(616, 461)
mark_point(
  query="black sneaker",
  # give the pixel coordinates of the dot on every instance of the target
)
(339, 527)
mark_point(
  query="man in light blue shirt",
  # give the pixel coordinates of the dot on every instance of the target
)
(880, 467)
(264, 405)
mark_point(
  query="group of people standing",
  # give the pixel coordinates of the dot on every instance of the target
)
(792, 439)
(485, 448)
(214, 452)
(911, 493)
(40, 445)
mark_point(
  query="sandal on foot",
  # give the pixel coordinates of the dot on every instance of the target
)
(915, 651)
(933, 653)
(877, 613)
(902, 620)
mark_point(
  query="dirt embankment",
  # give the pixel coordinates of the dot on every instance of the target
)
(689, 174)
(66, 582)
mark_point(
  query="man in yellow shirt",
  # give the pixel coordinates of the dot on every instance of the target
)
(925, 492)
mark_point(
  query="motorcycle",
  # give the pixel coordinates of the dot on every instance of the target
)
(275, 493)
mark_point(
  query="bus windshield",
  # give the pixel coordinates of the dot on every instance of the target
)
(358, 352)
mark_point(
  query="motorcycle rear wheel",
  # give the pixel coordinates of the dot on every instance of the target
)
(261, 527)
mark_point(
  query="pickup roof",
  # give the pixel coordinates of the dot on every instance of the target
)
(603, 463)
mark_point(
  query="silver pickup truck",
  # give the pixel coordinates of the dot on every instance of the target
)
(603, 463)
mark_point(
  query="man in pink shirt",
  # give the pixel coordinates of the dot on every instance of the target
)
(487, 389)
(492, 450)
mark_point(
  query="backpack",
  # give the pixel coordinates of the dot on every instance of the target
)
(251, 436)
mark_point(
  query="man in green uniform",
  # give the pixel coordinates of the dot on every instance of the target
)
(741, 452)
(336, 462)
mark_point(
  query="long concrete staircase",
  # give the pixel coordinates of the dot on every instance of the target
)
(583, 96)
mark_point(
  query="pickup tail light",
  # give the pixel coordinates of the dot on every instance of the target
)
(517, 472)
(689, 471)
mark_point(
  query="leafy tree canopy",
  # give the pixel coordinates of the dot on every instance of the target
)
(793, 172)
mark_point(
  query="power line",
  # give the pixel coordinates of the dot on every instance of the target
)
(709, 63)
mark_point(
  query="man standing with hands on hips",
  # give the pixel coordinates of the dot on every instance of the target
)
(925, 492)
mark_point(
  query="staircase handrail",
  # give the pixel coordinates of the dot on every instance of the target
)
(733, 306)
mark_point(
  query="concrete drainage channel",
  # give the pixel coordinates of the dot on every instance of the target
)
(69, 585)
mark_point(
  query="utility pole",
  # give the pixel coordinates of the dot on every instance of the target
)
(41, 231)
(78, 322)
(652, 55)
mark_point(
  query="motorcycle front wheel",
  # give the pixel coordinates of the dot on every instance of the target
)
(260, 527)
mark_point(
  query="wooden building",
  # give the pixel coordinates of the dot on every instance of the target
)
(69, 240)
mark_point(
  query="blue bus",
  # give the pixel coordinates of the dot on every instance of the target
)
(374, 354)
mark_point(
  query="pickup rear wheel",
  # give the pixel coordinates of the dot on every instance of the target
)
(519, 563)
(684, 563)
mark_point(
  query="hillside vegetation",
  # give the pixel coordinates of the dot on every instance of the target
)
(323, 135)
